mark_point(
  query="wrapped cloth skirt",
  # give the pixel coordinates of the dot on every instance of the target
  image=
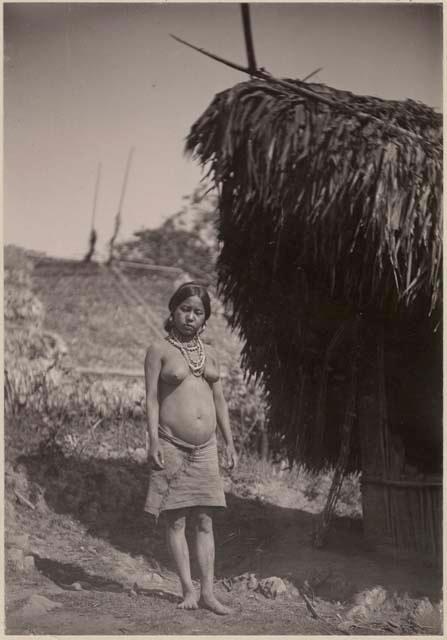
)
(190, 477)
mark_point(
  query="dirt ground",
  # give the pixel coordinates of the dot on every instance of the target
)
(120, 581)
(97, 613)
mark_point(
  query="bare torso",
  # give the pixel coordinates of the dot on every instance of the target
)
(186, 404)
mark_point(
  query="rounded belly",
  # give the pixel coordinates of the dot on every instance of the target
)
(188, 411)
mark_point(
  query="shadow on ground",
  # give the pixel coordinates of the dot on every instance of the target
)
(65, 574)
(107, 496)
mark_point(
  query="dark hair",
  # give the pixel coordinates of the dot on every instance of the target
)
(187, 290)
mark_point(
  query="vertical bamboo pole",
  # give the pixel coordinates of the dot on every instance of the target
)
(95, 196)
(93, 235)
(246, 22)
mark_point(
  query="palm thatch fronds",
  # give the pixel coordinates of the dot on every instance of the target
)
(329, 206)
(357, 182)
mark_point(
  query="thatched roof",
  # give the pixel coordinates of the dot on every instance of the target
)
(361, 197)
(329, 204)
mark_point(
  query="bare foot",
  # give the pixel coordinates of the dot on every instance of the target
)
(211, 603)
(188, 602)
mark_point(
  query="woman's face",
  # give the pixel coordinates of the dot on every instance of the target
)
(189, 316)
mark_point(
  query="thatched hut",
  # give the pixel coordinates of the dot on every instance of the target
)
(330, 222)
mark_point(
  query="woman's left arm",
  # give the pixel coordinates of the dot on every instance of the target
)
(223, 421)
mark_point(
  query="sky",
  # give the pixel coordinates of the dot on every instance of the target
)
(83, 83)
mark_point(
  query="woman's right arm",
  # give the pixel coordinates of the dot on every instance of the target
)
(152, 368)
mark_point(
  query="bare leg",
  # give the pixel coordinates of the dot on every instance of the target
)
(205, 556)
(175, 534)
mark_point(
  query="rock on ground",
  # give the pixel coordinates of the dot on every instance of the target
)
(15, 559)
(272, 587)
(38, 605)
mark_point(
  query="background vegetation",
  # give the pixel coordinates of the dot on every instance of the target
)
(60, 316)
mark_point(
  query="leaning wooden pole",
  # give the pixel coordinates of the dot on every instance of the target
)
(126, 178)
(320, 533)
(95, 197)
(118, 217)
(246, 22)
(93, 235)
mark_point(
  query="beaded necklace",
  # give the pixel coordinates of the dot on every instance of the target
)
(193, 351)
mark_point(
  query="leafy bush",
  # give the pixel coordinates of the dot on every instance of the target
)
(247, 409)
(32, 357)
(187, 240)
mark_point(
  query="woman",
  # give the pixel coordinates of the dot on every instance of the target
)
(185, 403)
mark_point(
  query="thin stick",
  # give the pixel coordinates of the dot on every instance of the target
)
(24, 500)
(245, 9)
(126, 177)
(313, 73)
(309, 604)
(95, 196)
(259, 74)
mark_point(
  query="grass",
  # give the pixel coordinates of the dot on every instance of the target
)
(293, 488)
(85, 306)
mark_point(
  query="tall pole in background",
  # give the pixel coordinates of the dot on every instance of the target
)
(93, 235)
(120, 207)
(246, 22)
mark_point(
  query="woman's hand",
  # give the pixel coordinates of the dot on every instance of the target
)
(155, 457)
(231, 456)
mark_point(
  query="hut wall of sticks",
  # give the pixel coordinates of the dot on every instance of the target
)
(330, 210)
